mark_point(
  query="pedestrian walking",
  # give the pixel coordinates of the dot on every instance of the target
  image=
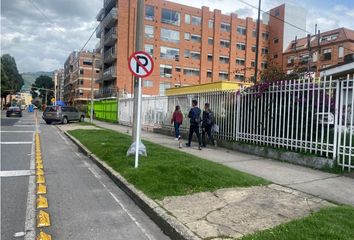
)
(208, 122)
(194, 118)
(177, 120)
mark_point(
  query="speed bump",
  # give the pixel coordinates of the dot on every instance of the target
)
(43, 219)
(41, 189)
(39, 172)
(43, 236)
(42, 202)
(40, 179)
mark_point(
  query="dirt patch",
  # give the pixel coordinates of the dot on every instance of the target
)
(235, 212)
(73, 126)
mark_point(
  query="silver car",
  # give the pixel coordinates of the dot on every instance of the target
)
(62, 114)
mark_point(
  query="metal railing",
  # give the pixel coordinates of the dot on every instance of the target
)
(110, 55)
(110, 37)
(110, 19)
(107, 92)
(109, 73)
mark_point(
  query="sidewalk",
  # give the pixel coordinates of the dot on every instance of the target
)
(324, 185)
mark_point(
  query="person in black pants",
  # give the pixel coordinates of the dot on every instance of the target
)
(207, 124)
(194, 116)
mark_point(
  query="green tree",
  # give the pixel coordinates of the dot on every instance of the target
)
(43, 85)
(11, 80)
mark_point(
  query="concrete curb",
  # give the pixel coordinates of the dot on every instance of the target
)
(168, 224)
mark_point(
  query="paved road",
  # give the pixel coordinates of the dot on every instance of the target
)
(16, 145)
(83, 202)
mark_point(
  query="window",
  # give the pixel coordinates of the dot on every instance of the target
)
(196, 20)
(253, 63)
(241, 46)
(291, 60)
(211, 23)
(275, 40)
(81, 93)
(81, 82)
(196, 38)
(264, 50)
(195, 55)
(187, 18)
(240, 61)
(170, 17)
(81, 71)
(239, 77)
(315, 56)
(329, 37)
(187, 53)
(264, 65)
(304, 59)
(149, 12)
(223, 75)
(327, 54)
(254, 33)
(149, 48)
(191, 72)
(163, 87)
(265, 35)
(225, 27)
(149, 31)
(165, 71)
(169, 35)
(169, 53)
(178, 69)
(275, 56)
(241, 30)
(224, 59)
(253, 48)
(210, 41)
(276, 12)
(98, 71)
(340, 51)
(87, 62)
(148, 83)
(187, 36)
(224, 43)
(210, 57)
(209, 74)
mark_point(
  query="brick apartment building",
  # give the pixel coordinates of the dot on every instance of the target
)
(78, 75)
(58, 78)
(332, 48)
(189, 45)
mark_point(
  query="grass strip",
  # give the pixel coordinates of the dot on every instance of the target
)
(164, 172)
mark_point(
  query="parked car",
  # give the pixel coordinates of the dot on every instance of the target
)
(62, 114)
(14, 111)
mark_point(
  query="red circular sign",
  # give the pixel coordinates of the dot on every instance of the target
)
(140, 64)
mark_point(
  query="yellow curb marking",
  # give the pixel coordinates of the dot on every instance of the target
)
(43, 236)
(41, 189)
(39, 165)
(42, 202)
(39, 172)
(39, 161)
(40, 179)
(43, 219)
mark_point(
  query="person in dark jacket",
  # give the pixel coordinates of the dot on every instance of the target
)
(194, 118)
(207, 124)
(177, 120)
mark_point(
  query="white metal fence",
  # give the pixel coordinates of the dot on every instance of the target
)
(307, 116)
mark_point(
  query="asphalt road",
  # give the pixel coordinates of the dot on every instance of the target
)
(83, 202)
(16, 145)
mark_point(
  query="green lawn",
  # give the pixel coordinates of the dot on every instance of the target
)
(164, 172)
(331, 223)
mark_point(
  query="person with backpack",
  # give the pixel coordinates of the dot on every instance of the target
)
(194, 118)
(177, 120)
(207, 124)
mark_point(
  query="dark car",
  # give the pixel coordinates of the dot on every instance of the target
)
(14, 111)
(62, 114)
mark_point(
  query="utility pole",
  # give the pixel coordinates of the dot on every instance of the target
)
(139, 34)
(92, 74)
(257, 42)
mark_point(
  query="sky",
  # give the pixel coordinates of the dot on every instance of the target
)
(40, 34)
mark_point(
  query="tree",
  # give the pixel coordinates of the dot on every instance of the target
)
(11, 80)
(45, 86)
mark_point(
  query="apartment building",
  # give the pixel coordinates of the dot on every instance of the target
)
(189, 46)
(58, 78)
(78, 75)
(331, 48)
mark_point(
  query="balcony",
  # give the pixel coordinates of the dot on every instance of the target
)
(107, 92)
(99, 30)
(98, 46)
(109, 4)
(110, 19)
(100, 15)
(110, 55)
(110, 37)
(109, 73)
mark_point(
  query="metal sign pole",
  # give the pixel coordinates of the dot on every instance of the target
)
(137, 142)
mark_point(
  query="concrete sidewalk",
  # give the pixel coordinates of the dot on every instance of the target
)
(324, 185)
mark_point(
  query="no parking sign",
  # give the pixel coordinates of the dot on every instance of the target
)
(141, 64)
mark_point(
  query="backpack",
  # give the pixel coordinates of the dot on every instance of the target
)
(195, 116)
(211, 119)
